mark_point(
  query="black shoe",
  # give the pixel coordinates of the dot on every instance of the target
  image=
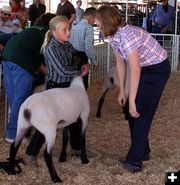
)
(131, 168)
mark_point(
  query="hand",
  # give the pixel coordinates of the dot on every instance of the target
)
(164, 30)
(121, 99)
(1, 47)
(132, 110)
(42, 69)
(85, 69)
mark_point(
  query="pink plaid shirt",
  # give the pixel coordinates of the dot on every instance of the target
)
(130, 38)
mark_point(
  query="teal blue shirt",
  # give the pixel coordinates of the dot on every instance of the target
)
(23, 49)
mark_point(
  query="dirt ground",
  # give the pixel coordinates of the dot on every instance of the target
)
(107, 143)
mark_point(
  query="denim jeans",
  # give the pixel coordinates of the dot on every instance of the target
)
(4, 37)
(18, 86)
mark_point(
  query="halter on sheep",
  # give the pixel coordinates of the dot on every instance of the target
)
(49, 110)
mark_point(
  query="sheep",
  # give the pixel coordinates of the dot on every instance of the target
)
(111, 81)
(49, 110)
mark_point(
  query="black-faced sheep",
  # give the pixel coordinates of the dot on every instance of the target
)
(49, 110)
(111, 81)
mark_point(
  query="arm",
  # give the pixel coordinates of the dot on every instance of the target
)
(170, 23)
(89, 45)
(58, 60)
(121, 72)
(135, 72)
(72, 19)
(153, 17)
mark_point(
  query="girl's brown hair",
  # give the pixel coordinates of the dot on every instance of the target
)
(110, 20)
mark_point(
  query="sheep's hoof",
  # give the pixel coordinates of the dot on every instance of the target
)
(85, 161)
(56, 179)
(62, 158)
(98, 115)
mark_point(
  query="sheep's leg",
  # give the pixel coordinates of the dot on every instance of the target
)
(50, 140)
(63, 154)
(100, 104)
(83, 155)
(126, 110)
(49, 162)
(13, 150)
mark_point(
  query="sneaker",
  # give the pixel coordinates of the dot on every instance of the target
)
(30, 160)
(8, 140)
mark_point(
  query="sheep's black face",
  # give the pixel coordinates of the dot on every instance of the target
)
(79, 59)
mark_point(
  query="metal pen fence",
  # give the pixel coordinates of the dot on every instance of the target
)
(106, 57)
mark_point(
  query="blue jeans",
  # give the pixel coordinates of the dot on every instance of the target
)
(152, 82)
(18, 86)
(4, 37)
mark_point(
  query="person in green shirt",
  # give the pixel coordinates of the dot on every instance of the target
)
(21, 59)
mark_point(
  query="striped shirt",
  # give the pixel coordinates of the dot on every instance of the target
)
(82, 39)
(130, 38)
(58, 59)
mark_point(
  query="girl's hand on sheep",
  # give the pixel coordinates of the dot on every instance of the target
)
(132, 109)
(121, 99)
(85, 69)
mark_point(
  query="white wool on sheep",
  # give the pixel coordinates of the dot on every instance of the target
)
(56, 108)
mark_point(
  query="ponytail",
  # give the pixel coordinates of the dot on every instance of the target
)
(47, 38)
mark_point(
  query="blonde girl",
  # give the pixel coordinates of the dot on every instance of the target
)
(58, 54)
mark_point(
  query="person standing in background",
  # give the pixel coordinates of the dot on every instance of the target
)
(79, 12)
(149, 13)
(162, 18)
(35, 10)
(82, 39)
(15, 4)
(21, 59)
(67, 9)
(8, 26)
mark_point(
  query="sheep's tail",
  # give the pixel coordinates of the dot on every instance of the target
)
(27, 114)
(23, 125)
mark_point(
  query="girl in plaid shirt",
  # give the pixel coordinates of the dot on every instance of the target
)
(149, 72)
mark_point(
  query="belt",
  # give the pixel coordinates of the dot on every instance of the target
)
(51, 84)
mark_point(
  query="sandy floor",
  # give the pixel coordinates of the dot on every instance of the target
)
(108, 142)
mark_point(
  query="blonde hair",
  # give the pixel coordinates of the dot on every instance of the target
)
(110, 19)
(53, 25)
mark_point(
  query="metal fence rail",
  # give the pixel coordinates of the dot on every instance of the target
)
(106, 57)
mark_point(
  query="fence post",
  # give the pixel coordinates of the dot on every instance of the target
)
(108, 57)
